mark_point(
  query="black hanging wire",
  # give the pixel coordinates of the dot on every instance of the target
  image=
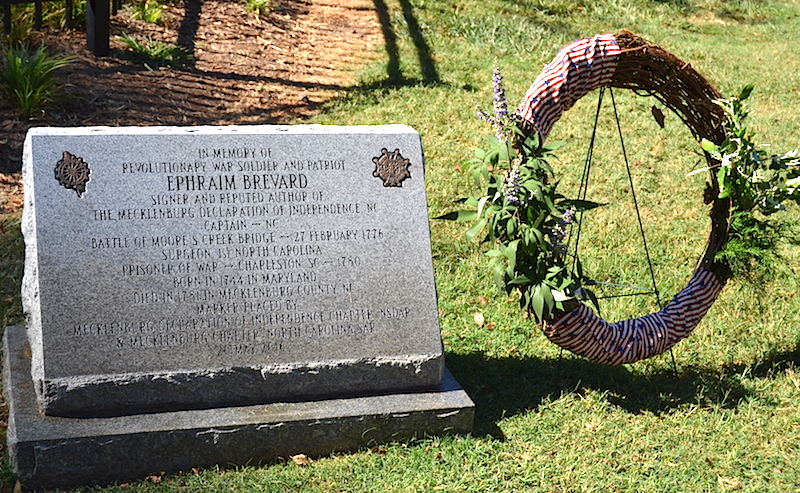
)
(584, 185)
(635, 202)
(582, 191)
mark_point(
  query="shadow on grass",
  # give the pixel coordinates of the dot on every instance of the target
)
(504, 387)
(394, 74)
(12, 252)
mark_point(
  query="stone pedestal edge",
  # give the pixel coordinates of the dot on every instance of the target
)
(56, 452)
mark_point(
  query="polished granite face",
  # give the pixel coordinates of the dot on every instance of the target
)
(186, 268)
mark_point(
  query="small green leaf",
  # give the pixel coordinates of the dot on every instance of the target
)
(724, 183)
(459, 216)
(532, 184)
(520, 281)
(711, 148)
(580, 205)
(579, 268)
(481, 204)
(540, 238)
(475, 229)
(746, 90)
(511, 227)
(499, 274)
(552, 146)
(525, 300)
(593, 298)
(472, 202)
(549, 203)
(537, 303)
(493, 141)
(547, 294)
(510, 251)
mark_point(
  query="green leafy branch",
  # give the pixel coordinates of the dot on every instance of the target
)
(757, 185)
(526, 219)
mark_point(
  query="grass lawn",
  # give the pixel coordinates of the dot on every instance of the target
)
(727, 420)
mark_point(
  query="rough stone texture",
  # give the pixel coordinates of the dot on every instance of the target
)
(216, 266)
(57, 452)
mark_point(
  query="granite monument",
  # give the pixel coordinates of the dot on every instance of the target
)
(204, 295)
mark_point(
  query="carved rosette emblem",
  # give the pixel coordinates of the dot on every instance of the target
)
(392, 168)
(72, 172)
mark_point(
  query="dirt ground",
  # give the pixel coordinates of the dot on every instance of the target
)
(247, 69)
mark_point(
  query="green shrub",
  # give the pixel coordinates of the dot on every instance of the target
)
(26, 77)
(150, 11)
(53, 17)
(153, 53)
(21, 26)
(260, 7)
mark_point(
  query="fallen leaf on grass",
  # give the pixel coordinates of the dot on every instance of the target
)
(301, 459)
(728, 484)
(430, 446)
(154, 478)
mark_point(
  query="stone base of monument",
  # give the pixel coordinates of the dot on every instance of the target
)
(57, 452)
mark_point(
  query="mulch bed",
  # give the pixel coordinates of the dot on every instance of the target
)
(247, 69)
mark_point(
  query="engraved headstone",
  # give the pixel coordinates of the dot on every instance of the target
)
(191, 270)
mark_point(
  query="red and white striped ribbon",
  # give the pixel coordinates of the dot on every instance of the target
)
(582, 332)
(579, 68)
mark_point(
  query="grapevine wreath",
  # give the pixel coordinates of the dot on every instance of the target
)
(527, 219)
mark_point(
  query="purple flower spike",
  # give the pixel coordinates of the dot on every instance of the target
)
(501, 120)
(511, 186)
(559, 233)
(500, 102)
